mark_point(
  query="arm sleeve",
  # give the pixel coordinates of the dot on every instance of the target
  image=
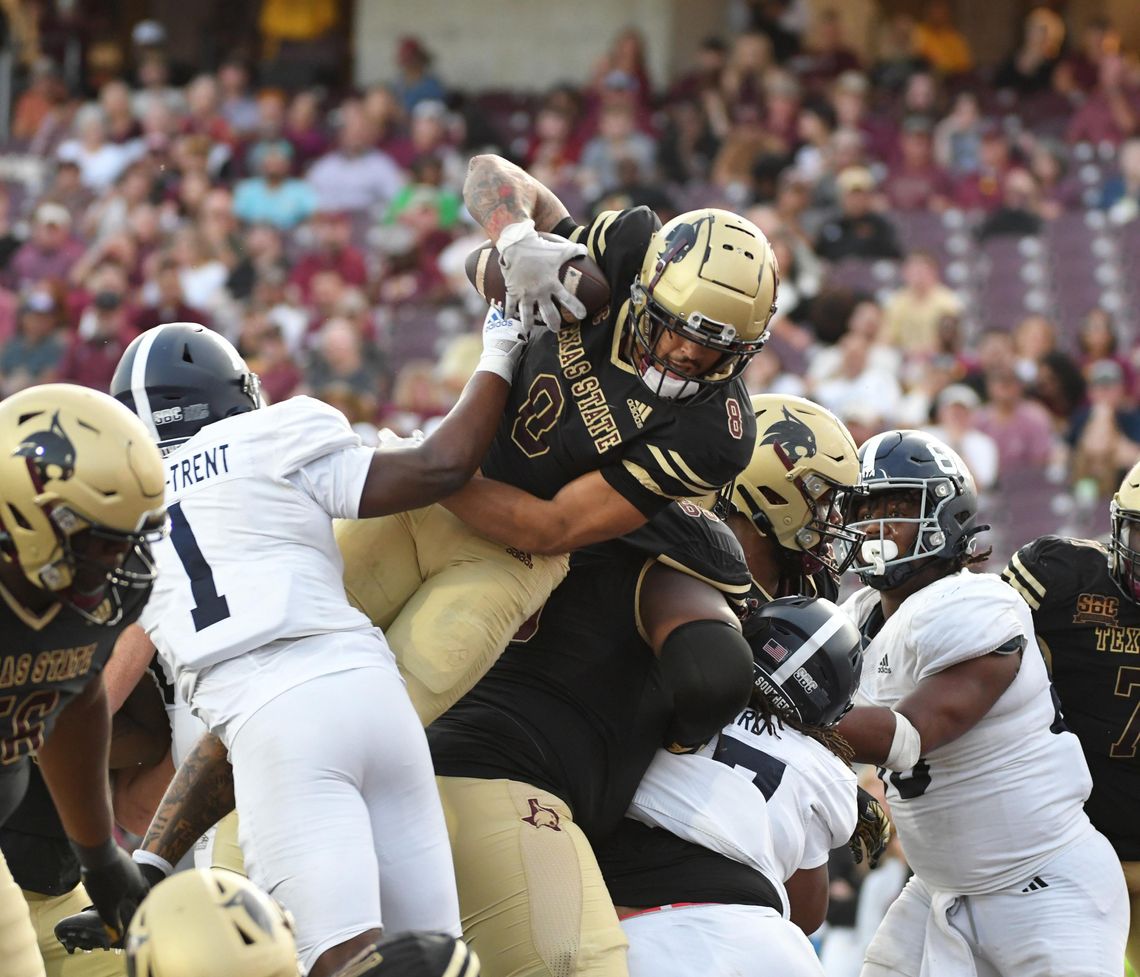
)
(975, 618)
(335, 481)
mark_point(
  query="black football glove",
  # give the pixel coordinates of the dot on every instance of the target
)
(86, 930)
(115, 887)
(872, 830)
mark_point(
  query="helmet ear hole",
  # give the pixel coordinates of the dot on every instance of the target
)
(187, 356)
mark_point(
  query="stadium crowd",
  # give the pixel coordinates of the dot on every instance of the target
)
(952, 237)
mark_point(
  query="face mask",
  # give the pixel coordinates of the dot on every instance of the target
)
(666, 386)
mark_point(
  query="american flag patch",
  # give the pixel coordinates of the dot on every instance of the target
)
(776, 651)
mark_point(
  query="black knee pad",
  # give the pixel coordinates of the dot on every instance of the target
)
(707, 665)
(414, 954)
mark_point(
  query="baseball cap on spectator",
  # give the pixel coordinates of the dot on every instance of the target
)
(148, 33)
(958, 393)
(53, 213)
(1105, 373)
(855, 178)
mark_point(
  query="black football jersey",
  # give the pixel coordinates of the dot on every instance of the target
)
(577, 406)
(44, 663)
(576, 704)
(1091, 633)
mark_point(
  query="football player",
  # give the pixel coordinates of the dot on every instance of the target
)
(607, 422)
(81, 486)
(542, 757)
(250, 614)
(739, 854)
(1086, 611)
(986, 785)
(215, 923)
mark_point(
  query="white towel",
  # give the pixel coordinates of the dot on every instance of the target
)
(945, 952)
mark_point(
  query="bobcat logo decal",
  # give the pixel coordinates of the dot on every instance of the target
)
(792, 435)
(542, 816)
(680, 241)
(50, 454)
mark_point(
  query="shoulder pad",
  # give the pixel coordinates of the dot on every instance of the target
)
(305, 429)
(694, 541)
(1054, 568)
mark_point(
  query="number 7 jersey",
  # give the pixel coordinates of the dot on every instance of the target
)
(251, 557)
(989, 808)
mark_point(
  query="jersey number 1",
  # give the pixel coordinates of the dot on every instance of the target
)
(210, 607)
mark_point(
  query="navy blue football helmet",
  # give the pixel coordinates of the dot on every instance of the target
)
(181, 376)
(807, 658)
(947, 520)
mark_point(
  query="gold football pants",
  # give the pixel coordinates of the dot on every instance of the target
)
(19, 954)
(1132, 878)
(531, 895)
(447, 599)
(46, 911)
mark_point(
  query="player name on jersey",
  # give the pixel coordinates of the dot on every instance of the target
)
(199, 467)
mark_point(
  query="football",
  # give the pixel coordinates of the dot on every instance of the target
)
(581, 276)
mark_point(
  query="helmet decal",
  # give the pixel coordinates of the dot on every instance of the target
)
(791, 434)
(678, 243)
(50, 454)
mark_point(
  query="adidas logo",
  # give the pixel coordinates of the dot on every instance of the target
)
(1036, 883)
(884, 668)
(639, 411)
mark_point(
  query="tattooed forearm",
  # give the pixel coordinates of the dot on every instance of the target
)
(498, 193)
(200, 795)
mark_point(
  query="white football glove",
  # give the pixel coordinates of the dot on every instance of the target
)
(503, 343)
(530, 271)
(387, 438)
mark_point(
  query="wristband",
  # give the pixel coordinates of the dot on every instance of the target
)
(97, 857)
(149, 858)
(906, 746)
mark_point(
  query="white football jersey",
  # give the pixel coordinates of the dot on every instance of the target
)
(777, 803)
(988, 809)
(251, 557)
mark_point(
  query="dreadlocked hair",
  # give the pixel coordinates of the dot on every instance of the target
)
(769, 719)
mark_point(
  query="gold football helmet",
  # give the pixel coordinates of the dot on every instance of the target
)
(210, 923)
(74, 460)
(709, 276)
(803, 471)
(1125, 513)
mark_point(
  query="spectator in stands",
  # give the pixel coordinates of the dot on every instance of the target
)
(304, 127)
(1020, 212)
(38, 101)
(170, 304)
(626, 54)
(749, 62)
(828, 55)
(1022, 428)
(274, 197)
(1029, 70)
(956, 410)
(866, 319)
(982, 189)
(1111, 111)
(1034, 338)
(551, 150)
(432, 136)
(51, 251)
(235, 102)
(913, 313)
(100, 162)
(202, 276)
(415, 81)
(331, 249)
(263, 346)
(915, 181)
(385, 113)
(850, 98)
(857, 379)
(33, 355)
(1060, 387)
(618, 138)
(958, 137)
(1106, 434)
(857, 231)
(1098, 39)
(1058, 192)
(703, 78)
(154, 86)
(1120, 195)
(354, 177)
(922, 96)
(896, 53)
(1099, 339)
(118, 113)
(340, 360)
(939, 42)
(103, 333)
